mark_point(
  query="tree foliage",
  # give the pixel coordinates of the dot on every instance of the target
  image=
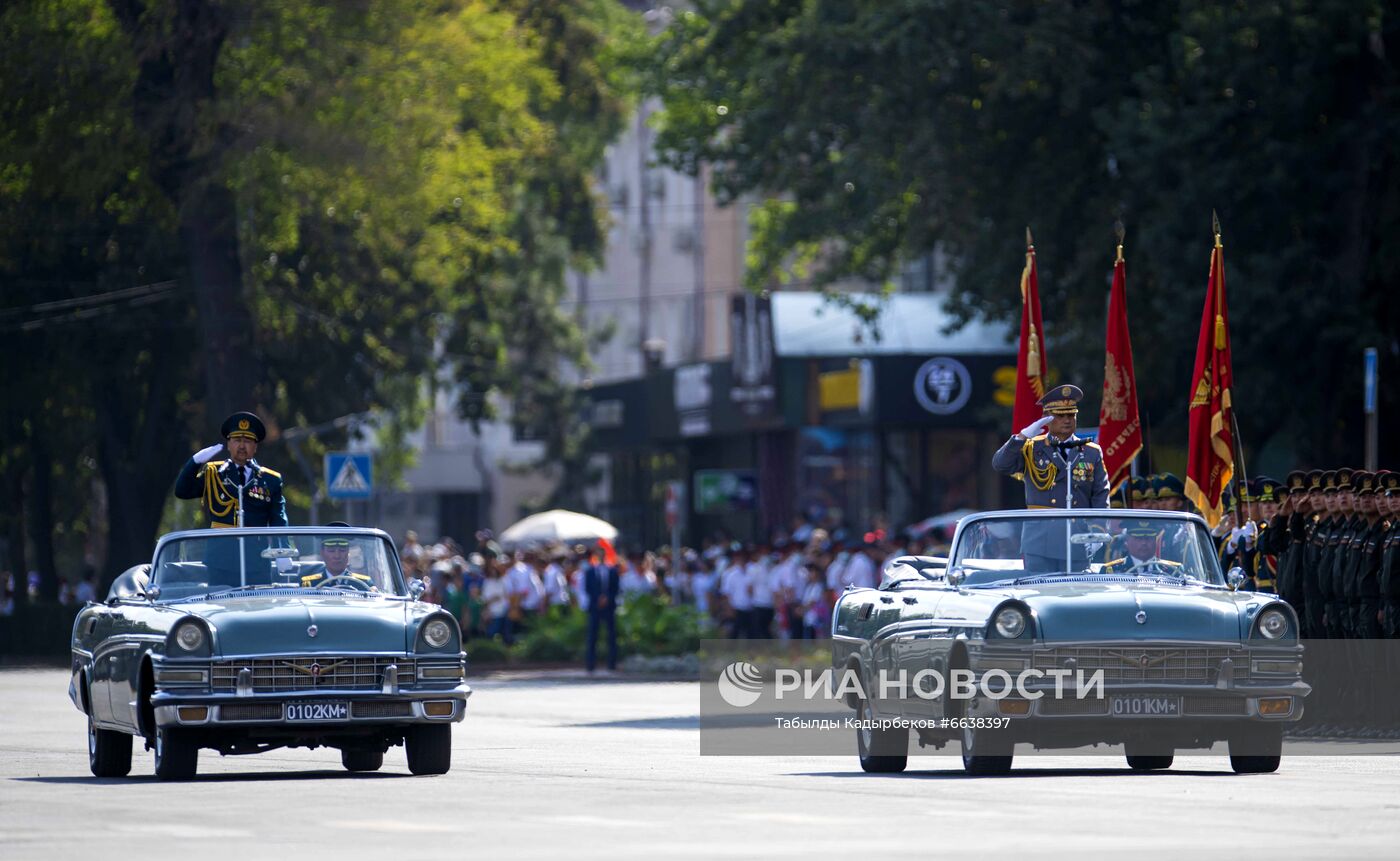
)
(880, 131)
(311, 205)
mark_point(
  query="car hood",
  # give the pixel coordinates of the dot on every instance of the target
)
(1110, 611)
(253, 625)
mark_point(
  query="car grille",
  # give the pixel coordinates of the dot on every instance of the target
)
(309, 674)
(251, 711)
(1134, 664)
(381, 710)
(1214, 706)
(1073, 707)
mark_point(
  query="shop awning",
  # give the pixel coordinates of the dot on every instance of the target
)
(809, 324)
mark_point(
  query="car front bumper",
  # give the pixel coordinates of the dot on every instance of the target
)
(175, 708)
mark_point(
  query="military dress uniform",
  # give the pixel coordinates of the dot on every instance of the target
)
(1389, 573)
(342, 542)
(1150, 564)
(1051, 476)
(220, 484)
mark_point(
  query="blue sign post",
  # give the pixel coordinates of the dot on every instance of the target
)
(349, 475)
(1372, 428)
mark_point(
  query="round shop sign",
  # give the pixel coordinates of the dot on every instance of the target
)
(942, 386)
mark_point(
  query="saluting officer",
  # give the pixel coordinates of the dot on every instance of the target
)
(221, 484)
(1058, 469)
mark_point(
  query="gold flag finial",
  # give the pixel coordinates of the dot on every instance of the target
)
(1120, 232)
(1029, 242)
(1215, 227)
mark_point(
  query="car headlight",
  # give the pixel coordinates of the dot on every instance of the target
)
(189, 636)
(1010, 623)
(437, 633)
(1273, 624)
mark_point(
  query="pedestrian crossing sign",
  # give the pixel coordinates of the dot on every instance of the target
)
(349, 475)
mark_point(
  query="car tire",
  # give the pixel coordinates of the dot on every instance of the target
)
(1150, 763)
(429, 749)
(177, 756)
(1258, 752)
(881, 751)
(986, 751)
(109, 752)
(362, 760)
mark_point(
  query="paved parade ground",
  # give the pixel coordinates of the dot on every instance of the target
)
(563, 767)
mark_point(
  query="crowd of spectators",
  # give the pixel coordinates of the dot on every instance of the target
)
(782, 588)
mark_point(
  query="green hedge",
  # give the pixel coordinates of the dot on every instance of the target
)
(37, 630)
(647, 625)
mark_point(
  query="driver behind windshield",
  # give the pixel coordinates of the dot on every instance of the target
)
(335, 553)
(1143, 541)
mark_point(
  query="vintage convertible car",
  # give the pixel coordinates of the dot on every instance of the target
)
(1040, 598)
(247, 640)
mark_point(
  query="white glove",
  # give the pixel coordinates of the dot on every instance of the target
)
(205, 455)
(285, 565)
(1035, 427)
(1250, 531)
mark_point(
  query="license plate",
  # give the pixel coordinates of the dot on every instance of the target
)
(300, 712)
(1139, 706)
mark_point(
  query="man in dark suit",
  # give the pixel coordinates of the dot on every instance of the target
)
(600, 581)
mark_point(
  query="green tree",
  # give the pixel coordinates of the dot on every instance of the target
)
(879, 132)
(297, 207)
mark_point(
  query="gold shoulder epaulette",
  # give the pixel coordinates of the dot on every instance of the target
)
(1118, 561)
(214, 464)
(1092, 444)
(272, 472)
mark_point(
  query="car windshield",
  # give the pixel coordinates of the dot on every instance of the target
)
(1052, 546)
(348, 562)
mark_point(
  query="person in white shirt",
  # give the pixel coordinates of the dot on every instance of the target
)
(813, 604)
(524, 588)
(789, 581)
(859, 571)
(760, 579)
(734, 586)
(496, 598)
(555, 581)
(835, 572)
(638, 576)
(702, 586)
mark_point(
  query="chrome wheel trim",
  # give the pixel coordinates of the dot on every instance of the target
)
(92, 740)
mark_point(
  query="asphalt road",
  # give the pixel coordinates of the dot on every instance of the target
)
(569, 768)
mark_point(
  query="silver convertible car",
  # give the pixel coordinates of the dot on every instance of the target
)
(1069, 629)
(247, 640)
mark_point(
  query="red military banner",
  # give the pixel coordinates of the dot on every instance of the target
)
(1031, 365)
(1210, 455)
(1120, 429)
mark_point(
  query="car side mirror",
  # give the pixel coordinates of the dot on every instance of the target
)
(416, 588)
(956, 575)
(1235, 578)
(152, 592)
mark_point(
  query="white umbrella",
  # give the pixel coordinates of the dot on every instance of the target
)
(558, 525)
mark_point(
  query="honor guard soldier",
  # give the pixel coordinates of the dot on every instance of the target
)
(1171, 492)
(1058, 469)
(1139, 488)
(1390, 550)
(237, 491)
(1263, 566)
(1366, 553)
